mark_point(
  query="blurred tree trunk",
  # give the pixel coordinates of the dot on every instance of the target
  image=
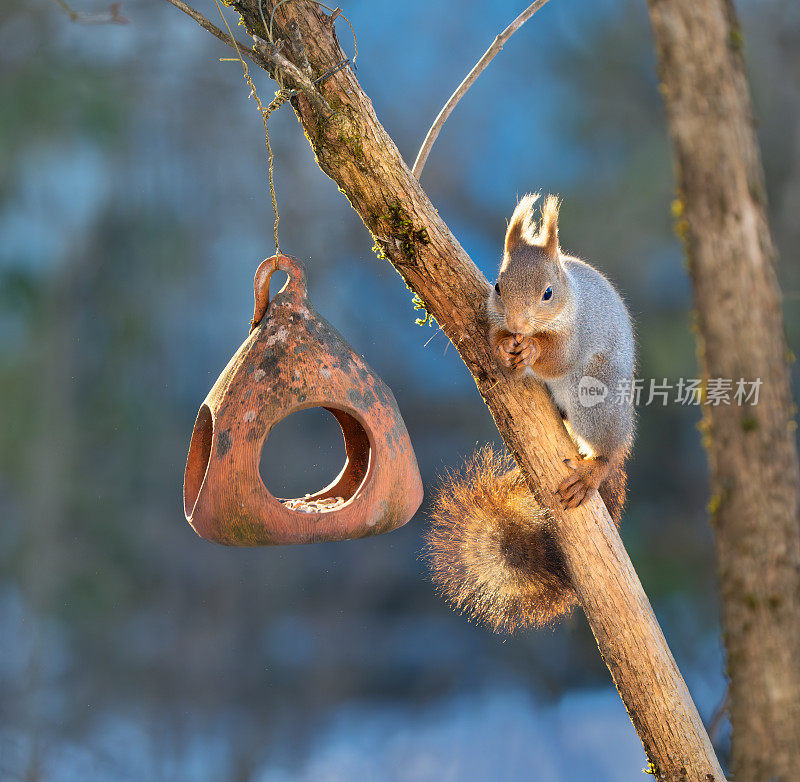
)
(721, 211)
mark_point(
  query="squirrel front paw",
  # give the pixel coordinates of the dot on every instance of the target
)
(587, 474)
(525, 353)
(517, 352)
(506, 351)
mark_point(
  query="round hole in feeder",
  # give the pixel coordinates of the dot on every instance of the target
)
(197, 461)
(305, 449)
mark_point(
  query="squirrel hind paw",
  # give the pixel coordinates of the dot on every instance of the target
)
(586, 475)
(490, 549)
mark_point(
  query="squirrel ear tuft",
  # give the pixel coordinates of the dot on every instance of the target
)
(520, 226)
(547, 238)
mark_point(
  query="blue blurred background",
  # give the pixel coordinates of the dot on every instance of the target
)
(133, 213)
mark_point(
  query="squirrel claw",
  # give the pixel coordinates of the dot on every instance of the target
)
(572, 491)
(526, 351)
(515, 351)
(576, 495)
(506, 352)
(587, 474)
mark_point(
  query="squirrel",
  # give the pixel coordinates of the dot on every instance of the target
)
(555, 318)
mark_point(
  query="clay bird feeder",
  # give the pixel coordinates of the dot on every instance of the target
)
(293, 360)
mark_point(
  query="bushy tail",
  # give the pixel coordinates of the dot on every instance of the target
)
(491, 549)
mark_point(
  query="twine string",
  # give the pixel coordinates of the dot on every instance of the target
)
(282, 95)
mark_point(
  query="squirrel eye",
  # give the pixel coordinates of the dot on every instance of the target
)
(548, 294)
(497, 288)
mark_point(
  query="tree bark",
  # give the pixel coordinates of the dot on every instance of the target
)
(353, 148)
(721, 210)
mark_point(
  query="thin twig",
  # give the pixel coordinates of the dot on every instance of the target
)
(271, 52)
(480, 67)
(434, 334)
(241, 48)
(264, 55)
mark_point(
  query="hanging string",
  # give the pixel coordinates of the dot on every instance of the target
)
(281, 96)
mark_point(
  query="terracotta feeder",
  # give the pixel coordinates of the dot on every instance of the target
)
(292, 360)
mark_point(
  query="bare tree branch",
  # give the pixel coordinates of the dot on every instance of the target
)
(470, 79)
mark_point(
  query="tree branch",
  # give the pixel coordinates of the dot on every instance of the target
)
(353, 148)
(469, 80)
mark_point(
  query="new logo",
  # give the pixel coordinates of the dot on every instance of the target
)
(591, 391)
